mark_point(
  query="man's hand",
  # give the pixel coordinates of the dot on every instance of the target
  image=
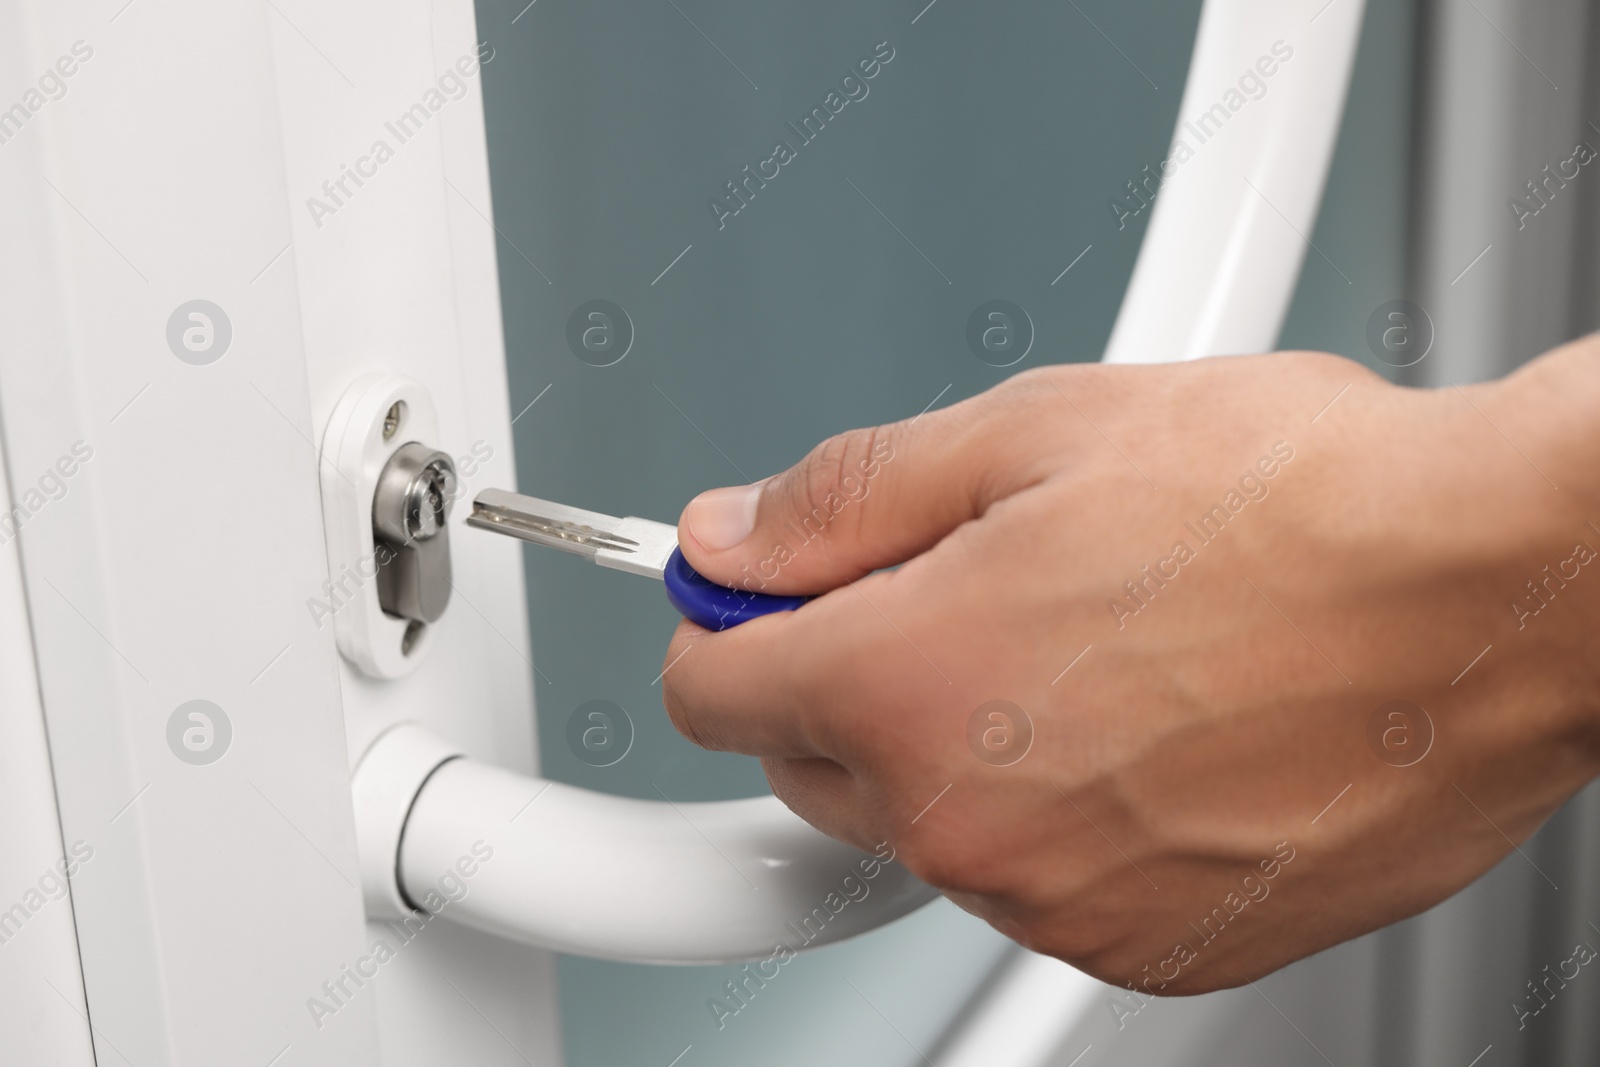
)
(1287, 653)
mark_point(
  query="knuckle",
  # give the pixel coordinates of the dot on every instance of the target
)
(1093, 946)
(954, 863)
(1045, 383)
(681, 714)
(678, 714)
(834, 473)
(1036, 398)
(1325, 365)
(1031, 380)
(840, 461)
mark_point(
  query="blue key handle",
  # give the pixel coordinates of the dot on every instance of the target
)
(716, 607)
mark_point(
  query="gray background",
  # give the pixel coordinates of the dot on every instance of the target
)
(992, 141)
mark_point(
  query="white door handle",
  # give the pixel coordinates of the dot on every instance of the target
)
(599, 875)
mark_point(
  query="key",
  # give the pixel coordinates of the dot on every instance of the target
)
(638, 546)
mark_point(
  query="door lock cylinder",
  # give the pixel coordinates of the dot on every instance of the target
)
(410, 512)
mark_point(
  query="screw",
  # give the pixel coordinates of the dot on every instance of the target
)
(391, 421)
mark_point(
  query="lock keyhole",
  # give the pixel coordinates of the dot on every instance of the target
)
(428, 498)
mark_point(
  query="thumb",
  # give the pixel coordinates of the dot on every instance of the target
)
(859, 501)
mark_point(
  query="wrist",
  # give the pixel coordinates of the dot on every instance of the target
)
(1549, 413)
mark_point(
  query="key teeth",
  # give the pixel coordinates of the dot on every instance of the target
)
(488, 518)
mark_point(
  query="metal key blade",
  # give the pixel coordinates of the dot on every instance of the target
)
(638, 546)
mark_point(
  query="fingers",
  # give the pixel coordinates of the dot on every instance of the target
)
(859, 501)
(726, 692)
(825, 795)
(792, 684)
